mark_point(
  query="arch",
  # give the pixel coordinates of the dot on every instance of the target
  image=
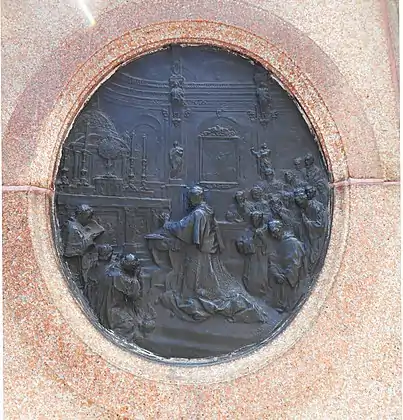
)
(150, 121)
(274, 43)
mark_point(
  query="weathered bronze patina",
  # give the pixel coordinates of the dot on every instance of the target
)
(192, 206)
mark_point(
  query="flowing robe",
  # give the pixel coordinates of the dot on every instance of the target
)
(111, 294)
(287, 264)
(176, 160)
(200, 235)
(315, 178)
(205, 286)
(78, 242)
(255, 268)
(314, 221)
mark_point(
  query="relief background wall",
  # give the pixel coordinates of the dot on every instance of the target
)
(341, 358)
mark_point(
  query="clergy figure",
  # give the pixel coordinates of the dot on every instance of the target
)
(79, 234)
(204, 286)
(287, 267)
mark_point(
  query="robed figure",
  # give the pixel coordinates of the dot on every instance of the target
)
(314, 221)
(79, 234)
(176, 160)
(254, 246)
(203, 286)
(263, 158)
(287, 267)
(114, 291)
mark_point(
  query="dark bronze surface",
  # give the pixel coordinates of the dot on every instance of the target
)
(192, 205)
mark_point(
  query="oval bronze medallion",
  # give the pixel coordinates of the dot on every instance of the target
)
(192, 206)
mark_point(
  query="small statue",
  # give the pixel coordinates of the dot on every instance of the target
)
(176, 160)
(63, 180)
(79, 234)
(177, 92)
(263, 96)
(263, 157)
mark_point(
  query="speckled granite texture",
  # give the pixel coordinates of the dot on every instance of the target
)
(341, 357)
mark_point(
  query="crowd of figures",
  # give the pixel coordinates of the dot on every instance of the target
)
(287, 221)
(188, 253)
(281, 246)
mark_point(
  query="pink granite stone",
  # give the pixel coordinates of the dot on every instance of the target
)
(60, 87)
(341, 356)
(345, 362)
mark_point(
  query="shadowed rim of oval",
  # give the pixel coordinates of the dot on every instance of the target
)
(180, 371)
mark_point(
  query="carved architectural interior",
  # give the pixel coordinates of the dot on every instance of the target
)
(192, 204)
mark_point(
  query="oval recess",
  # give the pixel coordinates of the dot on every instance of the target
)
(193, 206)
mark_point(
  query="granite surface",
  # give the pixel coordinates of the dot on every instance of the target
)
(57, 88)
(347, 361)
(341, 357)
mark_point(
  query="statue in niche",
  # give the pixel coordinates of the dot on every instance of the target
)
(263, 96)
(63, 179)
(176, 160)
(314, 220)
(254, 247)
(79, 234)
(177, 92)
(204, 287)
(286, 267)
(263, 158)
(176, 82)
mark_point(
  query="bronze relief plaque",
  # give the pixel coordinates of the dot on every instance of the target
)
(193, 207)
